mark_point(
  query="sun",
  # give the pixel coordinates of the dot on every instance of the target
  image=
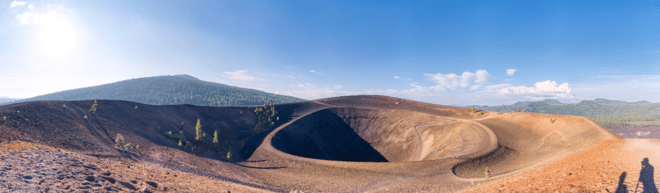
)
(58, 38)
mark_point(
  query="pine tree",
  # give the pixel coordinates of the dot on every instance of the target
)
(198, 131)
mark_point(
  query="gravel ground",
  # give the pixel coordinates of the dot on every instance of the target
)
(28, 167)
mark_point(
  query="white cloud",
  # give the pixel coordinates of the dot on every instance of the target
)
(396, 77)
(475, 87)
(541, 90)
(496, 87)
(239, 75)
(509, 79)
(54, 15)
(337, 87)
(453, 81)
(510, 72)
(17, 4)
(291, 77)
(315, 72)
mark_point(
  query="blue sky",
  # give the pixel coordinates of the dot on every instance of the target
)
(466, 53)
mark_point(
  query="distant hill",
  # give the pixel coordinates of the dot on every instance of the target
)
(549, 101)
(169, 90)
(607, 101)
(6, 99)
(584, 108)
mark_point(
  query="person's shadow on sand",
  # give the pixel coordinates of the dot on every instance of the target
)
(622, 187)
(646, 177)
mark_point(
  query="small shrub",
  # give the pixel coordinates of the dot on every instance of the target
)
(501, 113)
(4, 118)
(215, 136)
(168, 134)
(135, 107)
(229, 155)
(519, 110)
(158, 129)
(121, 144)
(180, 143)
(63, 105)
(553, 120)
(181, 126)
(93, 108)
(487, 172)
(85, 117)
(480, 113)
(473, 109)
(18, 111)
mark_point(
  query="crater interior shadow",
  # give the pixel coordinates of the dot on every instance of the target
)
(324, 135)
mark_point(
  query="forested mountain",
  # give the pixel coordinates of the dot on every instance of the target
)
(170, 90)
(584, 108)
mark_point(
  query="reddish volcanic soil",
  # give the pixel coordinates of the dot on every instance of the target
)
(342, 144)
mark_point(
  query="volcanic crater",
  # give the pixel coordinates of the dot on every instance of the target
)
(342, 144)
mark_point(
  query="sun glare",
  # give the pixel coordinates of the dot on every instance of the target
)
(57, 38)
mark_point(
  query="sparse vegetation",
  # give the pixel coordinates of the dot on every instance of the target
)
(473, 109)
(500, 113)
(487, 173)
(216, 144)
(135, 107)
(265, 115)
(121, 144)
(552, 120)
(519, 110)
(480, 113)
(85, 117)
(4, 118)
(181, 126)
(93, 107)
(198, 131)
(168, 134)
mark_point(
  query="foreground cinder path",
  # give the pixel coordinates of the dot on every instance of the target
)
(617, 165)
(29, 167)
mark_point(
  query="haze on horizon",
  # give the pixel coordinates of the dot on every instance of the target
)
(466, 53)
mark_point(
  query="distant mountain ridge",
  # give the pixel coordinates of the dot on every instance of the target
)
(549, 101)
(169, 90)
(6, 99)
(585, 108)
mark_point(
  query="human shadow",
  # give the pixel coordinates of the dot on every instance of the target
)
(646, 177)
(622, 188)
